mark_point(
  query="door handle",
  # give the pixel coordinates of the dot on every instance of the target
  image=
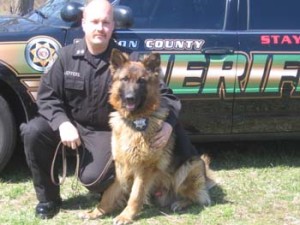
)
(217, 51)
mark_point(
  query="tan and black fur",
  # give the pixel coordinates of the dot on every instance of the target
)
(144, 173)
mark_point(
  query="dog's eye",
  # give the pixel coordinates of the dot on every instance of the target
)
(124, 78)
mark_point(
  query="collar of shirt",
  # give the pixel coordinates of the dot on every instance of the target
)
(82, 51)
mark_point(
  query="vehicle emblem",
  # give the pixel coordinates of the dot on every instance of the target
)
(40, 52)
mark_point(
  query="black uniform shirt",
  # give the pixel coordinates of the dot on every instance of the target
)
(76, 88)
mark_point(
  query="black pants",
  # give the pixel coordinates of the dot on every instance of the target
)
(40, 142)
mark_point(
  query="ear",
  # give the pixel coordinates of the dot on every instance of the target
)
(152, 62)
(118, 59)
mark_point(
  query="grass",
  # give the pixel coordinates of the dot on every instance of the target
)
(258, 184)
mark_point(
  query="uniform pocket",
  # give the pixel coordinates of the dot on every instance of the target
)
(75, 83)
(75, 91)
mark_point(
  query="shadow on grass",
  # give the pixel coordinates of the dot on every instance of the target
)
(234, 155)
(154, 211)
(82, 201)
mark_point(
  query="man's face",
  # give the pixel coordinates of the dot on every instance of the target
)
(98, 25)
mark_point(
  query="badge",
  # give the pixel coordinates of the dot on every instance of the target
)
(140, 124)
(40, 52)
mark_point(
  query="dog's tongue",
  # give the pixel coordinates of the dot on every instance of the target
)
(130, 106)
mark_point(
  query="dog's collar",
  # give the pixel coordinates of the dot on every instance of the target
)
(140, 124)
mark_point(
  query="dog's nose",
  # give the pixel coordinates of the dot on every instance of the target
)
(130, 97)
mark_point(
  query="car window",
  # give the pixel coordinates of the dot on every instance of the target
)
(49, 13)
(183, 14)
(274, 14)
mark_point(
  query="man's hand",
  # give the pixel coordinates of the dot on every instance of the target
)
(161, 138)
(69, 135)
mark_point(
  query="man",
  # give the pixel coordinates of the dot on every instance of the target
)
(73, 108)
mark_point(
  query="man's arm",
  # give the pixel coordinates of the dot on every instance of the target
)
(174, 105)
(50, 96)
(172, 102)
(50, 101)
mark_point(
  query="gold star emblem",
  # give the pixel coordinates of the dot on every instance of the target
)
(40, 52)
(43, 53)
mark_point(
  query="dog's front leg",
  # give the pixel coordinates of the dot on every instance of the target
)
(140, 188)
(108, 203)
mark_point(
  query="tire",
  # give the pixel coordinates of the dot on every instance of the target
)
(8, 133)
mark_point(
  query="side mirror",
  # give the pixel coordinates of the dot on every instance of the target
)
(72, 12)
(123, 17)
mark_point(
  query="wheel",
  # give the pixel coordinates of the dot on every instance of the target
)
(8, 133)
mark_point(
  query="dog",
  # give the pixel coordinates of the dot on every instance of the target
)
(144, 174)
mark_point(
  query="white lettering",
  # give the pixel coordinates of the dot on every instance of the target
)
(72, 74)
(129, 43)
(174, 44)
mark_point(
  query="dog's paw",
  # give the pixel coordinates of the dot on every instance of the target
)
(176, 206)
(179, 205)
(91, 215)
(122, 220)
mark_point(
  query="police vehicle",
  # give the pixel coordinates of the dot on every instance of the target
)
(235, 64)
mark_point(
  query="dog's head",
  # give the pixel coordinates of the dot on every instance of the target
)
(135, 88)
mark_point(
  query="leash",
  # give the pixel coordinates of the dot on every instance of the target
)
(64, 166)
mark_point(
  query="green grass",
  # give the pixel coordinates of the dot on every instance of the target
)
(258, 184)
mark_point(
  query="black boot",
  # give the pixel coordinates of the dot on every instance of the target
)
(47, 210)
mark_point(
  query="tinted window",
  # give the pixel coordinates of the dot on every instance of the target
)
(184, 14)
(49, 13)
(274, 14)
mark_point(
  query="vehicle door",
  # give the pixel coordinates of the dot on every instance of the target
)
(267, 93)
(197, 42)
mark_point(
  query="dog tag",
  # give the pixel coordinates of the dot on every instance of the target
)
(140, 124)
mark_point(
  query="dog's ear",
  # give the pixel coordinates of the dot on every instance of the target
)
(118, 59)
(152, 62)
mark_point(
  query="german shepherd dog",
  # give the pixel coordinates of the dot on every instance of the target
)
(144, 173)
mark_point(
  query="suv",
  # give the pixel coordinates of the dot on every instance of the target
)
(235, 64)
